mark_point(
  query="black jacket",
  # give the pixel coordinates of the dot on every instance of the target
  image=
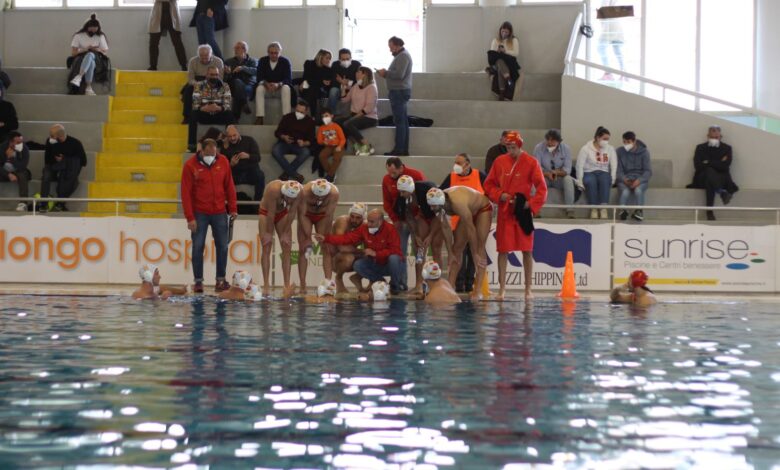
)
(8, 117)
(71, 149)
(348, 73)
(523, 214)
(281, 74)
(712, 157)
(315, 75)
(220, 12)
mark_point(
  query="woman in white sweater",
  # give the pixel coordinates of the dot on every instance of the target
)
(596, 169)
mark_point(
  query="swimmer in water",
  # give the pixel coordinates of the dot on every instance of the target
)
(439, 291)
(379, 292)
(634, 291)
(326, 293)
(239, 288)
(150, 285)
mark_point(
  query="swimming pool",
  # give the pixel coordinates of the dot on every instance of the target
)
(100, 382)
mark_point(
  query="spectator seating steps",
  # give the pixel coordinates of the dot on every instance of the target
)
(71, 108)
(47, 80)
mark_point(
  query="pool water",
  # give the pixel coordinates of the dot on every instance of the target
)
(102, 382)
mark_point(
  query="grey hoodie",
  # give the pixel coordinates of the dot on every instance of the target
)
(634, 164)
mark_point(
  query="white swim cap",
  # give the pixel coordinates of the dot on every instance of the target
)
(326, 288)
(405, 184)
(320, 187)
(291, 189)
(381, 290)
(435, 197)
(431, 271)
(358, 208)
(253, 293)
(147, 272)
(242, 279)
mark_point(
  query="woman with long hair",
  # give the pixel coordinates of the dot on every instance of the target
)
(502, 60)
(87, 42)
(317, 79)
(362, 99)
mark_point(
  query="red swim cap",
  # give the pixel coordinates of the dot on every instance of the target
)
(514, 137)
(638, 278)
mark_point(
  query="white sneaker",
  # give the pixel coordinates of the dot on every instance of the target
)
(21, 207)
(76, 81)
(604, 214)
(594, 213)
(89, 91)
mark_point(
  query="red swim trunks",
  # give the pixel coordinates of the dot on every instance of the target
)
(277, 217)
(315, 217)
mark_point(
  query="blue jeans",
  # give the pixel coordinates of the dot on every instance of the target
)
(88, 66)
(367, 268)
(638, 192)
(219, 230)
(334, 98)
(398, 104)
(597, 184)
(280, 149)
(206, 33)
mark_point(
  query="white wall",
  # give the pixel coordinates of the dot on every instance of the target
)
(670, 133)
(767, 57)
(457, 38)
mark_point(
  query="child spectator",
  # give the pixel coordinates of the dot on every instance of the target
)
(331, 138)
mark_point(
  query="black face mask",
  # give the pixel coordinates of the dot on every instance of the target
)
(214, 82)
(90, 33)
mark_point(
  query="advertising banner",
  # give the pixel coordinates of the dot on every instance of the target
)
(698, 257)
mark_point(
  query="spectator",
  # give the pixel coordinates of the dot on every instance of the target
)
(8, 119)
(296, 134)
(274, 80)
(204, 199)
(211, 102)
(502, 58)
(611, 37)
(555, 158)
(382, 254)
(495, 152)
(712, 161)
(165, 19)
(633, 173)
(399, 86)
(64, 157)
(596, 170)
(88, 50)
(210, 16)
(241, 76)
(344, 76)
(362, 97)
(396, 169)
(244, 155)
(196, 72)
(5, 81)
(317, 79)
(331, 138)
(14, 159)
(463, 174)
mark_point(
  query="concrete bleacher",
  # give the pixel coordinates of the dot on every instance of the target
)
(467, 118)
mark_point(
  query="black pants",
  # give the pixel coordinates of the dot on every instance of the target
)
(166, 24)
(198, 117)
(465, 279)
(714, 183)
(251, 175)
(67, 181)
(22, 179)
(240, 92)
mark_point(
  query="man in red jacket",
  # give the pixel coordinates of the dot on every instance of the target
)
(396, 169)
(206, 188)
(382, 255)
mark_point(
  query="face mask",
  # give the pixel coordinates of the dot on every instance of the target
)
(603, 143)
(52, 140)
(714, 142)
(209, 159)
(213, 81)
(299, 115)
(18, 147)
(90, 33)
(373, 230)
(327, 120)
(552, 149)
(457, 169)
(346, 63)
(628, 147)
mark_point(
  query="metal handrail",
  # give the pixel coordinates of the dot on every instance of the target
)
(571, 60)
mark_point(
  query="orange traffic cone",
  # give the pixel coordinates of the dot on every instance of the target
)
(569, 288)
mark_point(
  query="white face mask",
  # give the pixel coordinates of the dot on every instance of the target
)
(373, 230)
(327, 120)
(603, 144)
(457, 169)
(209, 159)
(628, 147)
(52, 140)
(552, 149)
(18, 147)
(299, 115)
(346, 63)
(714, 142)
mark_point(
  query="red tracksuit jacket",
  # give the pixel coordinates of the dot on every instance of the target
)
(205, 189)
(385, 242)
